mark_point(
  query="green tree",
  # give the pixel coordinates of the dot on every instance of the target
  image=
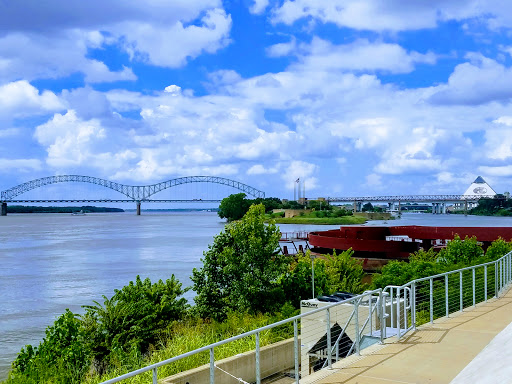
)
(498, 249)
(233, 207)
(460, 251)
(368, 207)
(297, 280)
(241, 269)
(344, 273)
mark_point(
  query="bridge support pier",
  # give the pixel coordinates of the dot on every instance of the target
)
(138, 208)
(4, 209)
(465, 208)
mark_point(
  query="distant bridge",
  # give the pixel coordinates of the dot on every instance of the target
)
(134, 193)
(438, 201)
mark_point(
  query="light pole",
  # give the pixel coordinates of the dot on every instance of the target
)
(312, 273)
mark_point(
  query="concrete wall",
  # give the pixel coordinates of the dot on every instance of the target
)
(274, 358)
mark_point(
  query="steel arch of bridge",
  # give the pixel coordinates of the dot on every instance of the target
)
(134, 192)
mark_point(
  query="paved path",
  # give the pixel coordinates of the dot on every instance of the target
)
(437, 353)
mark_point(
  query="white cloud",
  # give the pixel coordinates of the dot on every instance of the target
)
(498, 139)
(151, 42)
(173, 89)
(376, 15)
(302, 170)
(259, 169)
(362, 55)
(499, 171)
(68, 140)
(20, 165)
(259, 6)
(481, 80)
(53, 57)
(20, 98)
(282, 49)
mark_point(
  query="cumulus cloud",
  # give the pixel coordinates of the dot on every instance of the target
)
(58, 41)
(20, 98)
(375, 15)
(362, 55)
(68, 140)
(55, 56)
(259, 6)
(481, 80)
(150, 42)
(259, 169)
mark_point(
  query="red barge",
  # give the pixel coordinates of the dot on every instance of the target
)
(376, 245)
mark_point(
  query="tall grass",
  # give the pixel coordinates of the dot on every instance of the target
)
(194, 334)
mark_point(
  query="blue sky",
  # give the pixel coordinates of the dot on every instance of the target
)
(354, 97)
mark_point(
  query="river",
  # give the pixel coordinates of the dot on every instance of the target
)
(50, 262)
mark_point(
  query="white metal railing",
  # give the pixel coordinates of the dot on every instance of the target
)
(336, 330)
(426, 299)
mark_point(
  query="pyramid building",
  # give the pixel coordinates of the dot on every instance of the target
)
(479, 187)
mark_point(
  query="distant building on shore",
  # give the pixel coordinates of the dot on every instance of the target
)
(479, 187)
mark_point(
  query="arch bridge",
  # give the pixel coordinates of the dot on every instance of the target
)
(135, 193)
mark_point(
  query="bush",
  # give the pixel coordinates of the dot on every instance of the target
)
(133, 318)
(62, 356)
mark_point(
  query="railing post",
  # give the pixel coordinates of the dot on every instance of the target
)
(431, 301)
(446, 295)
(474, 287)
(212, 367)
(496, 279)
(460, 293)
(382, 320)
(485, 283)
(398, 326)
(329, 351)
(356, 324)
(258, 375)
(296, 349)
(405, 310)
(393, 310)
(370, 307)
(413, 305)
(155, 376)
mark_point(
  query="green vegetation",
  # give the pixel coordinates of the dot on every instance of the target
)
(234, 207)
(499, 205)
(85, 208)
(241, 269)
(244, 284)
(306, 219)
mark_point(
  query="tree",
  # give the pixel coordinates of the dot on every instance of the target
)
(297, 280)
(344, 273)
(460, 251)
(498, 249)
(241, 269)
(233, 207)
(368, 207)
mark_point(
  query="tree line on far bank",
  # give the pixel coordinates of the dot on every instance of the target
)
(235, 206)
(244, 283)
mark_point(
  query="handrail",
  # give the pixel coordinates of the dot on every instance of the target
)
(233, 338)
(503, 276)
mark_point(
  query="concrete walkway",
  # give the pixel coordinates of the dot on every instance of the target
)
(436, 353)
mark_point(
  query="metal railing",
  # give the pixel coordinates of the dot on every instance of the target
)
(332, 331)
(360, 315)
(423, 300)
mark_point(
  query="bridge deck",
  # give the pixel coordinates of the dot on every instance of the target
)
(437, 353)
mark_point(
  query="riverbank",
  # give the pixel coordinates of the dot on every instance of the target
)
(343, 220)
